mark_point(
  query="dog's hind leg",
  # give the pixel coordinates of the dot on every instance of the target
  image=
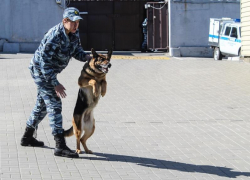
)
(78, 139)
(77, 131)
(85, 137)
(78, 149)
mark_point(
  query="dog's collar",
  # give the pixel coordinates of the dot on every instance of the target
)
(92, 72)
(89, 71)
(88, 67)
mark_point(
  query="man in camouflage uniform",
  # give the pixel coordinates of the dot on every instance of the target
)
(57, 47)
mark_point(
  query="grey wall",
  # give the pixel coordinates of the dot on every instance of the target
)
(25, 22)
(189, 24)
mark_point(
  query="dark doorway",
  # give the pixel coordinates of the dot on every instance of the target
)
(158, 36)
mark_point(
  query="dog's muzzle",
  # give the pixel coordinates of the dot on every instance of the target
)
(105, 68)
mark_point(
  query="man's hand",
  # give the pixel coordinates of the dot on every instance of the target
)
(60, 91)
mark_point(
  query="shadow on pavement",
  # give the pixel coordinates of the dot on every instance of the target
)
(163, 164)
(47, 147)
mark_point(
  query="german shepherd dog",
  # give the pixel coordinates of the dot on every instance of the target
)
(93, 85)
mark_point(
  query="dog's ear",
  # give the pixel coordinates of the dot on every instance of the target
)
(110, 53)
(93, 52)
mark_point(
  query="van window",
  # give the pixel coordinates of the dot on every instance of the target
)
(240, 31)
(234, 32)
(227, 31)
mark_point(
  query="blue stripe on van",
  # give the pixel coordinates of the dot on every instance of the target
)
(228, 39)
(224, 38)
(213, 36)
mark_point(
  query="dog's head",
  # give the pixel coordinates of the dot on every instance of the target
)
(100, 62)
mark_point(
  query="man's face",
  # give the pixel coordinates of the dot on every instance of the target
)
(71, 26)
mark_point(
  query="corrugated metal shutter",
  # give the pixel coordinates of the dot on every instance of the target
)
(245, 27)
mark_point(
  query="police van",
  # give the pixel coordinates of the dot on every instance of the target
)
(225, 37)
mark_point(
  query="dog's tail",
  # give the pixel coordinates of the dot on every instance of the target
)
(68, 132)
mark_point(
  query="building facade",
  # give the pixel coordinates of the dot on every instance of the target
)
(25, 22)
(245, 29)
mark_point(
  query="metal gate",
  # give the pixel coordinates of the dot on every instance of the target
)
(113, 23)
(158, 36)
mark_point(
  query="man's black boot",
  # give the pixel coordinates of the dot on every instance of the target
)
(29, 140)
(61, 148)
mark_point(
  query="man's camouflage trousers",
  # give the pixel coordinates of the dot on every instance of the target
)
(47, 103)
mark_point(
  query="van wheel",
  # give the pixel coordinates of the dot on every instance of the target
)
(217, 54)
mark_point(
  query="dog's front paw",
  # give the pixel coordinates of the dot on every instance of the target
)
(103, 94)
(95, 93)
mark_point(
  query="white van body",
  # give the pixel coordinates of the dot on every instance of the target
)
(225, 37)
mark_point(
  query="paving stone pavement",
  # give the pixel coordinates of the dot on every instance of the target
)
(176, 118)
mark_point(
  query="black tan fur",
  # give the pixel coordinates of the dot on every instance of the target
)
(93, 85)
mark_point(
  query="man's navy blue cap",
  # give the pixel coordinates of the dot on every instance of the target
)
(72, 13)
